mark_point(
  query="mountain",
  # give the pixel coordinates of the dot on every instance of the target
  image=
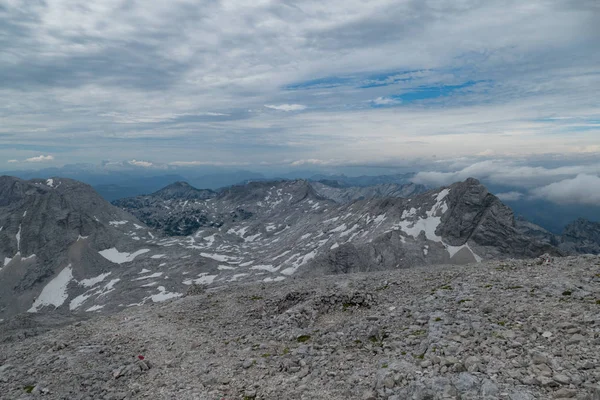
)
(92, 256)
(47, 229)
(340, 193)
(581, 236)
(365, 180)
(284, 226)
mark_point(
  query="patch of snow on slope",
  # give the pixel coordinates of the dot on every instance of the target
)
(18, 237)
(110, 286)
(305, 236)
(270, 227)
(334, 246)
(409, 213)
(300, 262)
(269, 268)
(236, 277)
(163, 295)
(431, 222)
(240, 232)
(281, 255)
(117, 223)
(380, 219)
(349, 231)
(203, 279)
(7, 260)
(55, 292)
(114, 256)
(157, 256)
(154, 275)
(340, 228)
(210, 239)
(93, 281)
(276, 279)
(50, 182)
(94, 308)
(252, 238)
(225, 267)
(218, 257)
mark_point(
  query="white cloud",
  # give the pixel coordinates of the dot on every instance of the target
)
(510, 196)
(138, 163)
(41, 158)
(286, 107)
(536, 71)
(385, 101)
(507, 172)
(13, 161)
(583, 189)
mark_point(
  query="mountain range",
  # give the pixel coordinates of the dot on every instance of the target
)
(65, 248)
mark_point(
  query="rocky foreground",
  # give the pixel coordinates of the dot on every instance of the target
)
(498, 330)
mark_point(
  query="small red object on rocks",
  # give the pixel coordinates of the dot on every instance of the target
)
(141, 357)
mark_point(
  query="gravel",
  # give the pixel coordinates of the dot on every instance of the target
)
(495, 330)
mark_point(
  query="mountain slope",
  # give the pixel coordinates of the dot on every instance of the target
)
(495, 330)
(91, 256)
(581, 236)
(347, 194)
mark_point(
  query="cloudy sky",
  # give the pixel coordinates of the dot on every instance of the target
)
(297, 82)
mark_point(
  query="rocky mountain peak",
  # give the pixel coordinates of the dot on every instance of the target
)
(183, 190)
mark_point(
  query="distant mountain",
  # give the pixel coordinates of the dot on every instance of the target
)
(340, 193)
(64, 247)
(365, 180)
(581, 236)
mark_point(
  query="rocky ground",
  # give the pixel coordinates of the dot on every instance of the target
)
(496, 330)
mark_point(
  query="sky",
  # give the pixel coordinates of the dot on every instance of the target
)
(296, 83)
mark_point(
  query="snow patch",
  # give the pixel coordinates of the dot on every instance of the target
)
(114, 256)
(94, 281)
(157, 256)
(236, 277)
(163, 295)
(154, 275)
(269, 268)
(117, 223)
(203, 279)
(276, 279)
(94, 308)
(55, 292)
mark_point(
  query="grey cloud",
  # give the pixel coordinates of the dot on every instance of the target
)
(507, 172)
(510, 196)
(197, 74)
(583, 189)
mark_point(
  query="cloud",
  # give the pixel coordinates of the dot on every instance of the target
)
(507, 172)
(385, 101)
(286, 107)
(137, 163)
(510, 196)
(39, 159)
(583, 189)
(12, 161)
(133, 79)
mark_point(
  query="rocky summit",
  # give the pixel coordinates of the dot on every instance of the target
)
(511, 329)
